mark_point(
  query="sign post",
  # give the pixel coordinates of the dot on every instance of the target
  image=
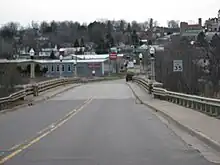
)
(113, 57)
(140, 58)
(152, 54)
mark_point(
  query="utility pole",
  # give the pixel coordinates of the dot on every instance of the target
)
(32, 74)
(61, 68)
(152, 59)
(140, 58)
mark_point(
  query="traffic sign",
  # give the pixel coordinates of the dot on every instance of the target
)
(113, 56)
(177, 65)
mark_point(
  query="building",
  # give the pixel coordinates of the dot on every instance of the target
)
(213, 24)
(85, 64)
(46, 52)
(84, 67)
(190, 30)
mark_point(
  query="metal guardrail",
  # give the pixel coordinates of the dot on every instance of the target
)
(146, 84)
(203, 104)
(11, 98)
(35, 89)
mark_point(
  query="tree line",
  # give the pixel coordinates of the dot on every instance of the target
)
(201, 69)
(98, 34)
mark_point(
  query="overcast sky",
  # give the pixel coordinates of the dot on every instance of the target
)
(24, 11)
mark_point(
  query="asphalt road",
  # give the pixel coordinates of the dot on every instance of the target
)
(95, 124)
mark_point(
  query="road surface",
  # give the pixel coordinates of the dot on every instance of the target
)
(94, 124)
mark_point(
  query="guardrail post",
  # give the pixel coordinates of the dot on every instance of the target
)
(35, 90)
(214, 111)
(2, 106)
(218, 112)
(150, 88)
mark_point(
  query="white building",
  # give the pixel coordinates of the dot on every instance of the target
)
(213, 24)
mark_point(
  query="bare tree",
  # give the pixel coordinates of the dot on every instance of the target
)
(9, 75)
(151, 23)
(173, 24)
(185, 81)
(155, 23)
(135, 26)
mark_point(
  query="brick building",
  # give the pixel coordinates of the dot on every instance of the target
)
(190, 30)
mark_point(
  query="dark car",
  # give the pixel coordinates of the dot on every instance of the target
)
(129, 76)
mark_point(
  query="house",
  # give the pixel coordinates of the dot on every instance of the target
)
(84, 67)
(109, 65)
(213, 24)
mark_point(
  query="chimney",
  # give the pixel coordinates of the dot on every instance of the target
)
(200, 21)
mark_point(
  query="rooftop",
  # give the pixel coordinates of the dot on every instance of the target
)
(3, 61)
(95, 56)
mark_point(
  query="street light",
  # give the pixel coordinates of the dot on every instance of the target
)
(61, 60)
(152, 59)
(192, 42)
(140, 59)
(31, 53)
(83, 49)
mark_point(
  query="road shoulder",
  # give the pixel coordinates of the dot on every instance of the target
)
(195, 123)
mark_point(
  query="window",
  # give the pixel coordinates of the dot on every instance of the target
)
(45, 69)
(58, 68)
(69, 68)
(52, 68)
(63, 68)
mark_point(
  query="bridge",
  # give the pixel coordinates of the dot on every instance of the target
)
(106, 123)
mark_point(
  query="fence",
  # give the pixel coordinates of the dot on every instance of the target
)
(205, 105)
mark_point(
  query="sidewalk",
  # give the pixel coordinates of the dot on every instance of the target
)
(196, 123)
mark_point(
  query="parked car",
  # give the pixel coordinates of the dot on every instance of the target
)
(130, 71)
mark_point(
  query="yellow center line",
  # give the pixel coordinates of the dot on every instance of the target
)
(67, 117)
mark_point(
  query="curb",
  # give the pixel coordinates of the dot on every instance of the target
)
(207, 140)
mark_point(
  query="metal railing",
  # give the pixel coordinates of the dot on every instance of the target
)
(144, 83)
(203, 104)
(35, 89)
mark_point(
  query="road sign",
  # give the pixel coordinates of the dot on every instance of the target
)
(113, 56)
(177, 65)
